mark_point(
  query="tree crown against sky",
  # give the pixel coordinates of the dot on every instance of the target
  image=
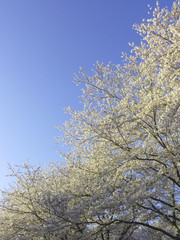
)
(42, 45)
(121, 179)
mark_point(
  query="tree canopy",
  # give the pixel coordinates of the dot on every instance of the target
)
(121, 178)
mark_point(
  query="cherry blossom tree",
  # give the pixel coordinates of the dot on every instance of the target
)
(121, 179)
(128, 132)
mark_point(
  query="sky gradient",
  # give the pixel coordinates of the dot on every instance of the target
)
(42, 44)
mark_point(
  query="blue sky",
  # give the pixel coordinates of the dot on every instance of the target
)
(42, 44)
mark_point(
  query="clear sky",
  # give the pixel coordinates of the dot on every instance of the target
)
(42, 44)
